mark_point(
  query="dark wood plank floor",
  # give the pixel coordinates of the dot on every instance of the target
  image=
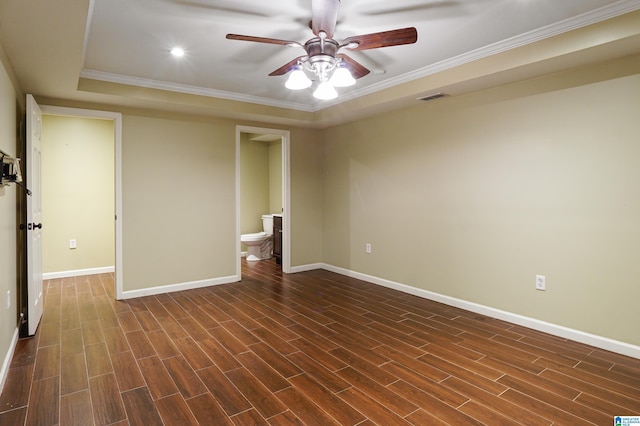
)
(313, 348)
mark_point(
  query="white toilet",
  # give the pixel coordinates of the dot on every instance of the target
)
(259, 244)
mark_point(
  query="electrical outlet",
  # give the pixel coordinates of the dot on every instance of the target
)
(8, 299)
(541, 282)
(72, 244)
(367, 248)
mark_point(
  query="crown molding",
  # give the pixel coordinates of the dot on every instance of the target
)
(190, 90)
(613, 10)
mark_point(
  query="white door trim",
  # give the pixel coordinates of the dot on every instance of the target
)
(286, 193)
(117, 128)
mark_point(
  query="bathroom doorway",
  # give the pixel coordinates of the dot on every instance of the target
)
(271, 195)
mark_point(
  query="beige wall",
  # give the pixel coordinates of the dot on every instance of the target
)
(8, 219)
(472, 196)
(77, 193)
(275, 177)
(254, 184)
(306, 196)
(178, 200)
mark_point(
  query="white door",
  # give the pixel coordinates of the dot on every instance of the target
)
(34, 215)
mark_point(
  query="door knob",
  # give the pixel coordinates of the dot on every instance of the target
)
(39, 226)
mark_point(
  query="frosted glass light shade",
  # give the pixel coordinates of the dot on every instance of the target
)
(297, 80)
(342, 78)
(325, 91)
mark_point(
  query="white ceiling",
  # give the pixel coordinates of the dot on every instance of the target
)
(116, 51)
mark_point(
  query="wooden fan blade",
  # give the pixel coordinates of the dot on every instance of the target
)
(324, 15)
(357, 70)
(382, 39)
(263, 40)
(289, 66)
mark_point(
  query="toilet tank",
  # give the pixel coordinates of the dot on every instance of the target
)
(267, 224)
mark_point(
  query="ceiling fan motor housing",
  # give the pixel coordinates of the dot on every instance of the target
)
(322, 54)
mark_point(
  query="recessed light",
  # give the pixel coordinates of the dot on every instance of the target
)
(178, 52)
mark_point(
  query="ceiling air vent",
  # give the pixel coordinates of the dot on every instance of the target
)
(432, 97)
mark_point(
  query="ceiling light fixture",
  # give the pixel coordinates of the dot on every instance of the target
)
(325, 67)
(177, 52)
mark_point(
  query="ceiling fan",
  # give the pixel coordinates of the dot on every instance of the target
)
(322, 59)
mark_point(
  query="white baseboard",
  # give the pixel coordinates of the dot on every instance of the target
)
(308, 267)
(130, 294)
(546, 327)
(77, 273)
(4, 372)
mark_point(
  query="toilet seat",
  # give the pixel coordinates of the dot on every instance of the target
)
(256, 236)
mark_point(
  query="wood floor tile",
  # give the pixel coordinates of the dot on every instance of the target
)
(18, 384)
(74, 373)
(371, 370)
(256, 393)
(157, 378)
(25, 352)
(140, 408)
(305, 410)
(375, 390)
(193, 328)
(126, 371)
(223, 391)
(487, 399)
(162, 344)
(140, 344)
(313, 368)
(262, 371)
(328, 361)
(631, 404)
(549, 412)
(13, 417)
(375, 411)
(203, 318)
(174, 411)
(128, 321)
(276, 360)
(184, 377)
(98, 360)
(194, 355)
(92, 332)
(228, 340)
(75, 409)
(223, 359)
(106, 400)
(46, 411)
(115, 340)
(293, 349)
(432, 405)
(323, 397)
(147, 321)
(552, 398)
(207, 410)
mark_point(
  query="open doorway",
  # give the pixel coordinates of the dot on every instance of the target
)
(273, 194)
(84, 168)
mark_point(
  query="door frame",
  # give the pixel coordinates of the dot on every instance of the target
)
(285, 135)
(116, 117)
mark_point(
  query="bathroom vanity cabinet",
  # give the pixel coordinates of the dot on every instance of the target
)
(277, 238)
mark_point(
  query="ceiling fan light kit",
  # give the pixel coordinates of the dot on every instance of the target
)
(297, 80)
(325, 91)
(322, 60)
